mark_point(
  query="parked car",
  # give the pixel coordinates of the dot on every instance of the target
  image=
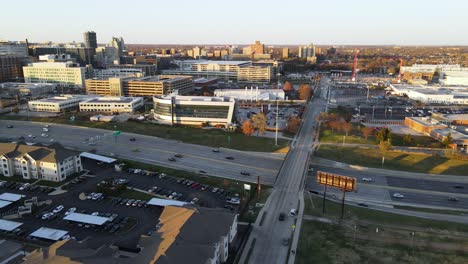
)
(71, 210)
(24, 186)
(47, 216)
(58, 209)
(194, 200)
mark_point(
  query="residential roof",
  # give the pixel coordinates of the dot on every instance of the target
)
(165, 202)
(97, 157)
(4, 203)
(12, 197)
(86, 218)
(53, 153)
(7, 225)
(49, 233)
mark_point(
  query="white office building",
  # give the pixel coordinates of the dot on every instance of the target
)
(454, 77)
(54, 104)
(111, 104)
(194, 110)
(251, 94)
(52, 163)
(63, 73)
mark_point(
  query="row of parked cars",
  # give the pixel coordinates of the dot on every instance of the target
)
(129, 202)
(25, 187)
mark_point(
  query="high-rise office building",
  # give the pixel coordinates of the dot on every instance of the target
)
(90, 39)
(119, 44)
(257, 48)
(308, 53)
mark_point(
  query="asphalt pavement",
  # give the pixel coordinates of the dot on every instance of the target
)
(152, 150)
(273, 237)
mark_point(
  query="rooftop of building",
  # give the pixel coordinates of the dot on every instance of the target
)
(196, 98)
(426, 121)
(56, 99)
(112, 99)
(456, 136)
(222, 62)
(52, 153)
(9, 85)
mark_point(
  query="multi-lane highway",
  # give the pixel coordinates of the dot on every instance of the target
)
(153, 150)
(422, 190)
(273, 237)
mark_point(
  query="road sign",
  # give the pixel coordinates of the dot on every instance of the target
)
(116, 133)
(334, 180)
(247, 187)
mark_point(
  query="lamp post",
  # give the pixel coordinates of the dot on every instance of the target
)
(276, 126)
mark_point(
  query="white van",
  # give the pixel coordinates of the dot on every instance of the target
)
(293, 212)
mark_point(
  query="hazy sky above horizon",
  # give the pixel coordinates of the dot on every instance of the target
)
(338, 22)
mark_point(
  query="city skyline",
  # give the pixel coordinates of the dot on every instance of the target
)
(296, 23)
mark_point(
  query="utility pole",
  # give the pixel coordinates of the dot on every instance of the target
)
(276, 127)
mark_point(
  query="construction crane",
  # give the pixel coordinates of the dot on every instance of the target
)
(355, 65)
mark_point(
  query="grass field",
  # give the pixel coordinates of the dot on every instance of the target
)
(394, 160)
(324, 243)
(207, 137)
(355, 137)
(330, 243)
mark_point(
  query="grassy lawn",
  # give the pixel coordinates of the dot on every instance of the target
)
(394, 160)
(132, 194)
(330, 243)
(15, 179)
(356, 137)
(207, 137)
(325, 243)
(430, 210)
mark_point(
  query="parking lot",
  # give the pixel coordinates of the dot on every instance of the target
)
(129, 220)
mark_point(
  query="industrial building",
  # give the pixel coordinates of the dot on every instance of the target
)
(251, 94)
(194, 110)
(227, 70)
(432, 94)
(52, 163)
(144, 86)
(111, 104)
(64, 73)
(30, 90)
(54, 104)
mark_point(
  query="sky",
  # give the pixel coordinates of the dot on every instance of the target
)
(280, 22)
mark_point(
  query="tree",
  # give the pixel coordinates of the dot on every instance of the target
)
(384, 147)
(247, 128)
(305, 92)
(447, 140)
(367, 131)
(15, 109)
(293, 124)
(287, 87)
(408, 140)
(384, 134)
(334, 125)
(346, 127)
(259, 122)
